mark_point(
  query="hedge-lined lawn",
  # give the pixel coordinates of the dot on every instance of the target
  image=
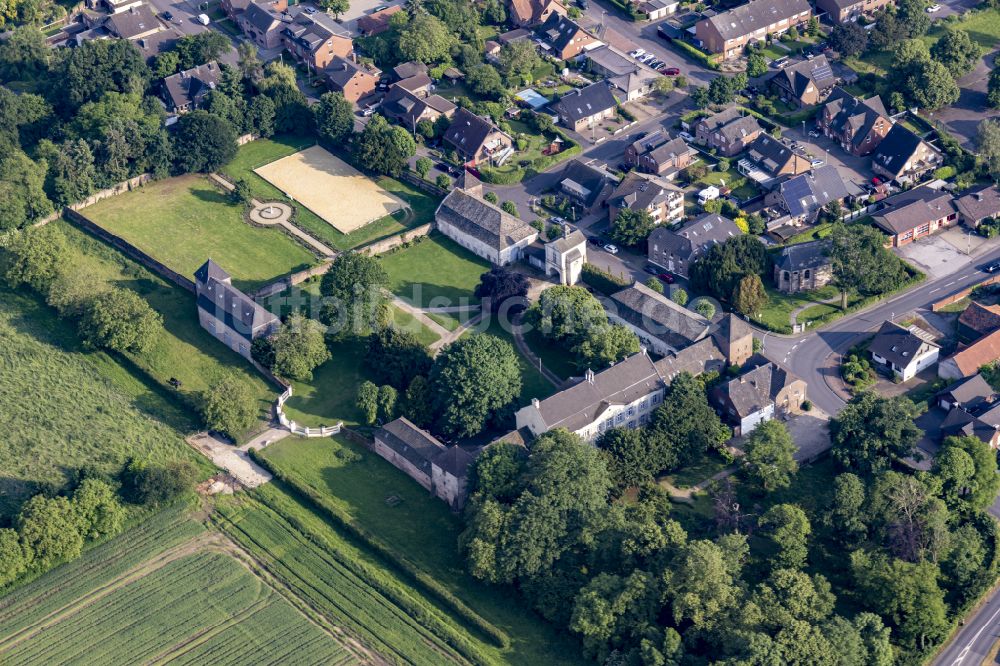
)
(555, 357)
(184, 351)
(435, 271)
(183, 221)
(776, 315)
(404, 321)
(742, 187)
(359, 483)
(64, 408)
(264, 151)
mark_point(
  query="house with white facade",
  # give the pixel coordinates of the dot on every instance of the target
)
(227, 313)
(762, 391)
(482, 228)
(903, 351)
(661, 324)
(565, 256)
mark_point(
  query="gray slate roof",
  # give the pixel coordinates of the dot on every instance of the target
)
(261, 18)
(639, 191)
(410, 68)
(341, 70)
(898, 345)
(770, 153)
(911, 208)
(422, 449)
(659, 316)
(133, 22)
(467, 131)
(227, 303)
(756, 388)
(970, 392)
(582, 103)
(799, 257)
(896, 148)
(696, 237)
(482, 220)
(595, 180)
(798, 76)
(980, 204)
(848, 111)
(559, 30)
(756, 15)
(192, 85)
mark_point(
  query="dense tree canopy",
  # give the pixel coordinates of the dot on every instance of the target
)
(861, 263)
(299, 347)
(230, 406)
(122, 321)
(872, 431)
(500, 284)
(354, 302)
(720, 270)
(203, 142)
(395, 357)
(384, 148)
(769, 456)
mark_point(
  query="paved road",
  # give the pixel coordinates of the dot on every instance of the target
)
(973, 641)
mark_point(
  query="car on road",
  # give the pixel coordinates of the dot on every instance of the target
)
(817, 162)
(933, 9)
(666, 277)
(555, 219)
(992, 267)
(656, 64)
(309, 10)
(611, 249)
(203, 19)
(814, 134)
(670, 71)
(583, 4)
(651, 269)
(593, 240)
(167, 16)
(380, 8)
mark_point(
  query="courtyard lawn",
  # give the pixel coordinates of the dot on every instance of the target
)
(332, 394)
(64, 407)
(185, 351)
(705, 467)
(404, 321)
(445, 319)
(183, 221)
(395, 509)
(816, 232)
(554, 356)
(264, 151)
(533, 383)
(435, 271)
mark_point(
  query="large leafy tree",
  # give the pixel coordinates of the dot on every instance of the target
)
(474, 382)
(861, 263)
(97, 505)
(908, 519)
(518, 61)
(120, 320)
(769, 461)
(230, 406)
(97, 67)
(720, 270)
(35, 255)
(980, 489)
(847, 514)
(14, 559)
(931, 86)
(684, 426)
(606, 344)
(749, 295)
(988, 145)
(22, 190)
(703, 585)
(425, 38)
(786, 527)
(354, 299)
(629, 459)
(957, 52)
(395, 357)
(299, 347)
(849, 39)
(572, 317)
(610, 607)
(50, 530)
(872, 431)
(203, 142)
(501, 284)
(993, 88)
(197, 49)
(384, 148)
(631, 227)
(334, 117)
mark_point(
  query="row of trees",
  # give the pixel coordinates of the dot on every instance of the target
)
(637, 587)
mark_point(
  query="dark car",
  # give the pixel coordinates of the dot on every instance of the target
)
(670, 71)
(593, 240)
(666, 277)
(583, 4)
(992, 267)
(167, 16)
(651, 269)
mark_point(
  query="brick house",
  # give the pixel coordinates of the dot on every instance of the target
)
(841, 11)
(677, 250)
(774, 157)
(476, 139)
(351, 79)
(525, 13)
(916, 213)
(586, 107)
(564, 37)
(804, 83)
(658, 154)
(859, 126)
(803, 197)
(976, 207)
(730, 31)
(262, 25)
(904, 157)
(377, 22)
(728, 131)
(315, 40)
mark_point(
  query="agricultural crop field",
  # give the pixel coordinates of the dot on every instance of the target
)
(63, 407)
(358, 484)
(167, 591)
(183, 221)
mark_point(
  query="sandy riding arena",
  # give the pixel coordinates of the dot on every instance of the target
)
(331, 188)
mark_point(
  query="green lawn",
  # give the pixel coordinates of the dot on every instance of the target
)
(64, 407)
(183, 221)
(555, 357)
(776, 314)
(448, 321)
(816, 232)
(741, 186)
(983, 27)
(435, 271)
(533, 383)
(332, 394)
(705, 467)
(531, 160)
(264, 151)
(422, 528)
(404, 321)
(185, 351)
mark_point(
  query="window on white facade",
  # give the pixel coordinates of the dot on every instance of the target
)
(620, 417)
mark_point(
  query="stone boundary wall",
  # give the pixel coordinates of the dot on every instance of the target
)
(113, 191)
(954, 298)
(386, 244)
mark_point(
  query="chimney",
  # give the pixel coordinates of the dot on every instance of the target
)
(642, 350)
(565, 231)
(589, 376)
(535, 403)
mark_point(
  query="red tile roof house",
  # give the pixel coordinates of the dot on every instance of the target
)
(729, 32)
(315, 41)
(969, 360)
(532, 12)
(914, 214)
(377, 22)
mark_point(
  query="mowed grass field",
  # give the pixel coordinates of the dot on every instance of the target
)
(185, 351)
(434, 272)
(358, 483)
(264, 151)
(63, 408)
(166, 591)
(183, 221)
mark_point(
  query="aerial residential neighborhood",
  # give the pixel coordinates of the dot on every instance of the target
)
(500, 332)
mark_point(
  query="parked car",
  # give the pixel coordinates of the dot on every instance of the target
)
(583, 4)
(380, 8)
(670, 71)
(167, 16)
(814, 134)
(637, 53)
(656, 64)
(817, 162)
(555, 219)
(593, 240)
(611, 249)
(651, 269)
(992, 267)
(666, 277)
(309, 10)
(934, 9)
(203, 19)
(686, 136)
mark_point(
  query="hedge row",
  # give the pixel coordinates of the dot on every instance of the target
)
(326, 508)
(495, 177)
(602, 281)
(693, 52)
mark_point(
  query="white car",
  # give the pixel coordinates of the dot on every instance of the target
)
(686, 136)
(203, 19)
(814, 134)
(611, 249)
(638, 53)
(933, 8)
(817, 162)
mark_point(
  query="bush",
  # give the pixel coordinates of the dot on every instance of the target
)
(494, 176)
(696, 54)
(230, 406)
(602, 281)
(120, 320)
(147, 484)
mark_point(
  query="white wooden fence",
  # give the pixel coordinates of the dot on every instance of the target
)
(296, 429)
